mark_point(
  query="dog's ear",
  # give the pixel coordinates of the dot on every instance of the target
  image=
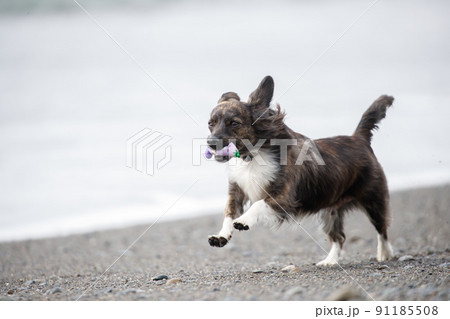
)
(229, 96)
(262, 96)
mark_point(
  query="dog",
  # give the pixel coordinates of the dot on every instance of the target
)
(283, 182)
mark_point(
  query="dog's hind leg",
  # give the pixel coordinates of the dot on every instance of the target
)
(384, 248)
(377, 210)
(333, 226)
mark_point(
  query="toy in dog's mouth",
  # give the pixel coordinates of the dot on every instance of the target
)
(224, 154)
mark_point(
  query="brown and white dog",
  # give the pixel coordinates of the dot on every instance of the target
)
(283, 182)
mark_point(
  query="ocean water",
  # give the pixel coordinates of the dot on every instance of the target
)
(73, 91)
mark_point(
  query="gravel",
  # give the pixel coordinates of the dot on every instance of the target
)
(260, 264)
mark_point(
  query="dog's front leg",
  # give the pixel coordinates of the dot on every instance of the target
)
(235, 207)
(261, 211)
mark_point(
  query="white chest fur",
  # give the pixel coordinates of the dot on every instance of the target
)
(253, 176)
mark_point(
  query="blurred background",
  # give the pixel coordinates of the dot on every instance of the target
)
(70, 97)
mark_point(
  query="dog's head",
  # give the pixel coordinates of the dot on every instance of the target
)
(233, 120)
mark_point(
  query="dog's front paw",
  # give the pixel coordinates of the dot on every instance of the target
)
(240, 226)
(217, 241)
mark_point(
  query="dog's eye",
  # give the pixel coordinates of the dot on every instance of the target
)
(235, 124)
(210, 123)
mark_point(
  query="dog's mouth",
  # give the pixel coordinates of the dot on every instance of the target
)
(224, 154)
(221, 159)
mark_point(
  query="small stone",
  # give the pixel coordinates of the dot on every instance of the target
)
(258, 271)
(389, 293)
(375, 274)
(174, 281)
(290, 268)
(408, 267)
(160, 277)
(53, 291)
(346, 294)
(444, 265)
(30, 282)
(10, 291)
(129, 291)
(406, 258)
(106, 291)
(290, 293)
(382, 267)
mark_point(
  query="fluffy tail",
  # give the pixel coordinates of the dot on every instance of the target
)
(374, 114)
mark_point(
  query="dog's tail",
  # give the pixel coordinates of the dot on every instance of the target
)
(374, 114)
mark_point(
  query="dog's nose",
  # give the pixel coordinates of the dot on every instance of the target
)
(214, 142)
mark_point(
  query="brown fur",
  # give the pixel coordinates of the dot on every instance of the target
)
(351, 176)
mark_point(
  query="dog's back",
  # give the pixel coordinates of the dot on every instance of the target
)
(351, 169)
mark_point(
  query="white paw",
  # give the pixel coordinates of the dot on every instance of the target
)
(385, 253)
(333, 256)
(384, 250)
(327, 262)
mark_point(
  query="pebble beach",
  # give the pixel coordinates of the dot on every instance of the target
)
(173, 261)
